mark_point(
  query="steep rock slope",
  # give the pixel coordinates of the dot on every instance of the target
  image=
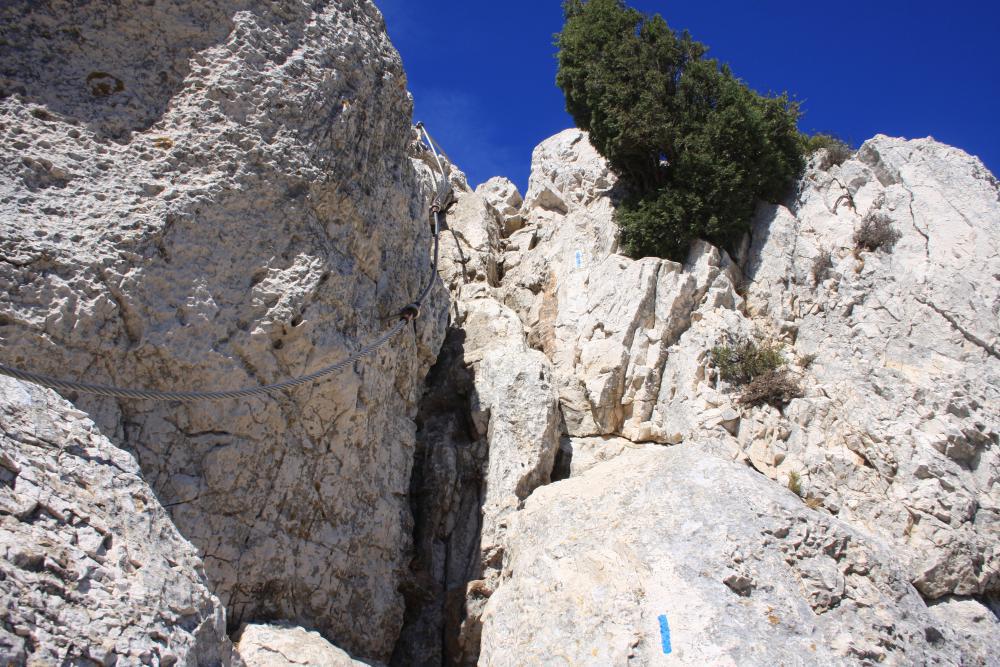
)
(92, 569)
(900, 428)
(893, 445)
(215, 195)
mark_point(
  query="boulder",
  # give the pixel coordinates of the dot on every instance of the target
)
(287, 646)
(501, 195)
(665, 553)
(92, 571)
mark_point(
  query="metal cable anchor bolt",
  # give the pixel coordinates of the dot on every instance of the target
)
(410, 312)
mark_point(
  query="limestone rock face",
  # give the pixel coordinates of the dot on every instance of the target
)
(287, 646)
(900, 428)
(92, 571)
(606, 321)
(667, 552)
(893, 444)
(567, 173)
(488, 437)
(502, 196)
(216, 195)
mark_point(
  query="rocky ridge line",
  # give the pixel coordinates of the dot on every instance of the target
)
(893, 554)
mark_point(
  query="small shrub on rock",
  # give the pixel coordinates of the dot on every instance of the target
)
(876, 232)
(776, 388)
(837, 151)
(821, 266)
(795, 483)
(740, 362)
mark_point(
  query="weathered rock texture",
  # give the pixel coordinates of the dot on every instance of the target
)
(214, 195)
(235, 197)
(488, 436)
(900, 429)
(287, 646)
(893, 445)
(502, 196)
(742, 571)
(92, 571)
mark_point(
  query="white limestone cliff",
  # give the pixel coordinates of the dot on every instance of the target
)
(548, 464)
(894, 442)
(215, 195)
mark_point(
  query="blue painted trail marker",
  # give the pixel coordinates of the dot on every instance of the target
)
(665, 634)
(579, 259)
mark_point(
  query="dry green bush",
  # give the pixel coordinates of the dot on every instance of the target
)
(876, 232)
(821, 266)
(776, 388)
(837, 150)
(795, 483)
(741, 361)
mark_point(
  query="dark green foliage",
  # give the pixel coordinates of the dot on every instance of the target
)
(694, 146)
(740, 362)
(837, 151)
(876, 232)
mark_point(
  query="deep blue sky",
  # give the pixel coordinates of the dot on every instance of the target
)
(483, 73)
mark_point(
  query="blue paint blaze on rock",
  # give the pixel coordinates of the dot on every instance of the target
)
(665, 634)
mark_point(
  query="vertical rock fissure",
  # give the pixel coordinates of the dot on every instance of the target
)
(446, 498)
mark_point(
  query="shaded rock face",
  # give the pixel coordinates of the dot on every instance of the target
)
(488, 435)
(217, 195)
(893, 445)
(92, 571)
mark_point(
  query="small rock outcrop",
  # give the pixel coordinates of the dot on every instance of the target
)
(215, 195)
(92, 570)
(502, 197)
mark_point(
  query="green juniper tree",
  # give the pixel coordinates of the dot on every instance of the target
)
(695, 147)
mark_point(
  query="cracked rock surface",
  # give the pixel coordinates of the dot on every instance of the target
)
(92, 570)
(739, 569)
(287, 646)
(237, 197)
(227, 200)
(893, 445)
(899, 430)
